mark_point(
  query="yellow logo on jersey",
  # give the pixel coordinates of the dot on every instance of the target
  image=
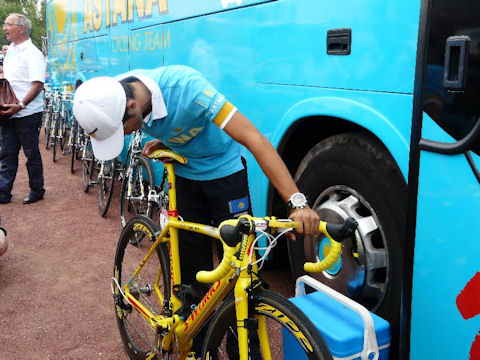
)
(182, 139)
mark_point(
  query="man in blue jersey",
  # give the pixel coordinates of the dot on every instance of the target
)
(179, 108)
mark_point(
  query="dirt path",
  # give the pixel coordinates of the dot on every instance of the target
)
(55, 300)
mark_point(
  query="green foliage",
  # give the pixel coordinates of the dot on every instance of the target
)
(30, 9)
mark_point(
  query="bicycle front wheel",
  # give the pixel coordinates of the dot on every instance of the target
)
(106, 182)
(138, 337)
(281, 328)
(135, 189)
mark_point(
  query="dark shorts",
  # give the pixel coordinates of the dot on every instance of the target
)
(207, 202)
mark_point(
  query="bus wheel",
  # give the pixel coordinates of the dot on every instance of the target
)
(352, 174)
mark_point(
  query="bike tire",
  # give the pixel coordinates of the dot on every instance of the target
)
(88, 169)
(67, 134)
(106, 183)
(142, 176)
(282, 318)
(65, 130)
(73, 135)
(47, 129)
(53, 135)
(137, 336)
(369, 187)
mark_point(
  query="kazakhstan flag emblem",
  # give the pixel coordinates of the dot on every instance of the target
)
(238, 205)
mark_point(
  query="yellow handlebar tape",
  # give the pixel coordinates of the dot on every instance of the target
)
(332, 256)
(222, 269)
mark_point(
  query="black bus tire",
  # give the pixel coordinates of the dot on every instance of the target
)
(352, 174)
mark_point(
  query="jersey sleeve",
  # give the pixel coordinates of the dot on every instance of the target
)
(208, 100)
(224, 115)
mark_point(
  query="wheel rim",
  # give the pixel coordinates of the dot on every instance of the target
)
(132, 207)
(365, 278)
(141, 337)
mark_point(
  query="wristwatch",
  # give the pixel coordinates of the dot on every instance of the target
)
(297, 201)
(21, 105)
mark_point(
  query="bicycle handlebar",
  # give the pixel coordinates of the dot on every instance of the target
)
(332, 231)
(233, 232)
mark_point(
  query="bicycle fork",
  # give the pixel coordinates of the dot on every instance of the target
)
(241, 309)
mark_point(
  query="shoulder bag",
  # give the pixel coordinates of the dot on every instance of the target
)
(7, 96)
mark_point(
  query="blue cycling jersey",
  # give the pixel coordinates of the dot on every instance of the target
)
(196, 115)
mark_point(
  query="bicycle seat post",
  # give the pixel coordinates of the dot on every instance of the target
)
(172, 192)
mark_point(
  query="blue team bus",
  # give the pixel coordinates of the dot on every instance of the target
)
(374, 107)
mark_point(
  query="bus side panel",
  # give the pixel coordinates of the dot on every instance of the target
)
(292, 39)
(278, 107)
(163, 11)
(221, 46)
(146, 47)
(78, 40)
(446, 254)
(224, 47)
(92, 56)
(62, 33)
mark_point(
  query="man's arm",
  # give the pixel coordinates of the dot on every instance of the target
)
(243, 131)
(35, 89)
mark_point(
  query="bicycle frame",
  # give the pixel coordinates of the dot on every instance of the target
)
(237, 271)
(185, 329)
(135, 149)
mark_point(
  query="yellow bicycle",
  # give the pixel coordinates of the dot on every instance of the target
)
(158, 316)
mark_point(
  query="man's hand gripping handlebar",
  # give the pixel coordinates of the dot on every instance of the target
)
(235, 232)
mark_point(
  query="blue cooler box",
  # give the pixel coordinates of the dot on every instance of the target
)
(341, 326)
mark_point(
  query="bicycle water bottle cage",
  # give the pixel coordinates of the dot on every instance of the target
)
(189, 298)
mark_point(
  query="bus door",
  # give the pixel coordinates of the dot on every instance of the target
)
(445, 316)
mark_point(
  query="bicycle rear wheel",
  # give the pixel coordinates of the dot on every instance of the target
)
(138, 337)
(75, 145)
(142, 181)
(47, 128)
(88, 168)
(106, 183)
(53, 135)
(281, 318)
(67, 140)
(65, 129)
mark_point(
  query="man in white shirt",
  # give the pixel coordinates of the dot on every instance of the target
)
(24, 67)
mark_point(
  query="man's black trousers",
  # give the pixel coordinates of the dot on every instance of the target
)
(20, 133)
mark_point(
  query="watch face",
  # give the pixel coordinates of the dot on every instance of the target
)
(298, 200)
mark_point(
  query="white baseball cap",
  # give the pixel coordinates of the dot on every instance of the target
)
(99, 106)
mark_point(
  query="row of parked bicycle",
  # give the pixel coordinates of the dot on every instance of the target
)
(139, 193)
